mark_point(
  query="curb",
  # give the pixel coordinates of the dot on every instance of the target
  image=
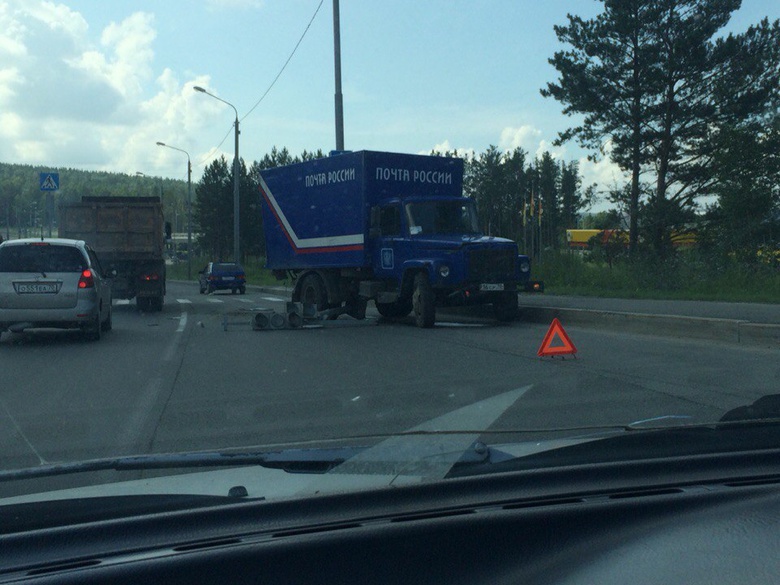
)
(735, 331)
(702, 328)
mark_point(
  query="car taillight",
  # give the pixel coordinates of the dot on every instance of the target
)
(86, 280)
(150, 277)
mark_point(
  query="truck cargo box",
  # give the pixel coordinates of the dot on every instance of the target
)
(116, 227)
(316, 213)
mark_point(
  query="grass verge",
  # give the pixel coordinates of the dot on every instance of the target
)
(683, 278)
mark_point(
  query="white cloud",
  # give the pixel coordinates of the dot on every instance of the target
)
(73, 97)
(58, 18)
(526, 137)
(445, 146)
(130, 41)
(606, 174)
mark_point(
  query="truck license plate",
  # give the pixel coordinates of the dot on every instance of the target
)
(491, 287)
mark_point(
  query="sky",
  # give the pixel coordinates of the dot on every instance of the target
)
(96, 84)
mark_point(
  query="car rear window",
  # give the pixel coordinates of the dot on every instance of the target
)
(41, 258)
(226, 267)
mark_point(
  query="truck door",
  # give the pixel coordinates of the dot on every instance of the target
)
(387, 241)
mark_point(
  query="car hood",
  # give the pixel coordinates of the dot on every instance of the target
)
(455, 242)
(446, 446)
(424, 453)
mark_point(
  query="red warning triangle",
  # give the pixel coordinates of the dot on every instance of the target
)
(556, 331)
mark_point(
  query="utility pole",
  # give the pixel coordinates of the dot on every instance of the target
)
(337, 69)
(236, 178)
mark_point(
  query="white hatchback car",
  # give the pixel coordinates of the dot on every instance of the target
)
(53, 283)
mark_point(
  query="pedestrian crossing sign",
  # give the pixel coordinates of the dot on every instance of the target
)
(49, 181)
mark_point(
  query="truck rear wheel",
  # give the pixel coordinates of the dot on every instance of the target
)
(423, 301)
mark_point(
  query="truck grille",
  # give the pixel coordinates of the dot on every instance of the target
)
(489, 265)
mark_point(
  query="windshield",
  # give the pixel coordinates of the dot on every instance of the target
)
(442, 218)
(500, 230)
(227, 268)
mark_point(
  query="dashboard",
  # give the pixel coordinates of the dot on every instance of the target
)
(701, 519)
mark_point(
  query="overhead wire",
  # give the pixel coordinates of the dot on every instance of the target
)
(278, 75)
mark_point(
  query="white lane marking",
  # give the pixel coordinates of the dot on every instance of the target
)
(184, 301)
(215, 301)
(147, 397)
(245, 301)
(129, 435)
(21, 434)
(273, 298)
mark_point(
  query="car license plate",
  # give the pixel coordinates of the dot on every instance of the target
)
(227, 278)
(490, 287)
(27, 288)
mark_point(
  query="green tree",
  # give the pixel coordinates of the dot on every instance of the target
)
(572, 199)
(606, 74)
(213, 209)
(651, 81)
(748, 170)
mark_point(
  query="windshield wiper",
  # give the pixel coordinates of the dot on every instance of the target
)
(292, 461)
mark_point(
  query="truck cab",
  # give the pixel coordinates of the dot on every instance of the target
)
(440, 239)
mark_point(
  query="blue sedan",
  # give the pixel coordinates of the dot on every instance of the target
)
(222, 276)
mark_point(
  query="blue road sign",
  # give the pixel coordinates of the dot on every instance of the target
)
(49, 181)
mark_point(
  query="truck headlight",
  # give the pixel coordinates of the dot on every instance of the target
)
(444, 271)
(525, 266)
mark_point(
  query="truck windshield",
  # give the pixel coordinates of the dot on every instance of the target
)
(442, 217)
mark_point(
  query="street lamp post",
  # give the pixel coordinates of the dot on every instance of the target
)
(189, 207)
(236, 248)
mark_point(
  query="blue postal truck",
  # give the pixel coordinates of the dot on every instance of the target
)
(392, 228)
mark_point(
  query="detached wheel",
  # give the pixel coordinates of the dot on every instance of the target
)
(313, 292)
(396, 310)
(423, 303)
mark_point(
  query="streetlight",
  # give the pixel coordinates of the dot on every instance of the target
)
(189, 207)
(236, 248)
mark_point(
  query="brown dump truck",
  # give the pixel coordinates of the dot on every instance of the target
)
(128, 235)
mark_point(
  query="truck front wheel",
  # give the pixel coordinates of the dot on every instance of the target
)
(423, 301)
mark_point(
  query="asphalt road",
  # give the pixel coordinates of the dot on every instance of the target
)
(182, 379)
